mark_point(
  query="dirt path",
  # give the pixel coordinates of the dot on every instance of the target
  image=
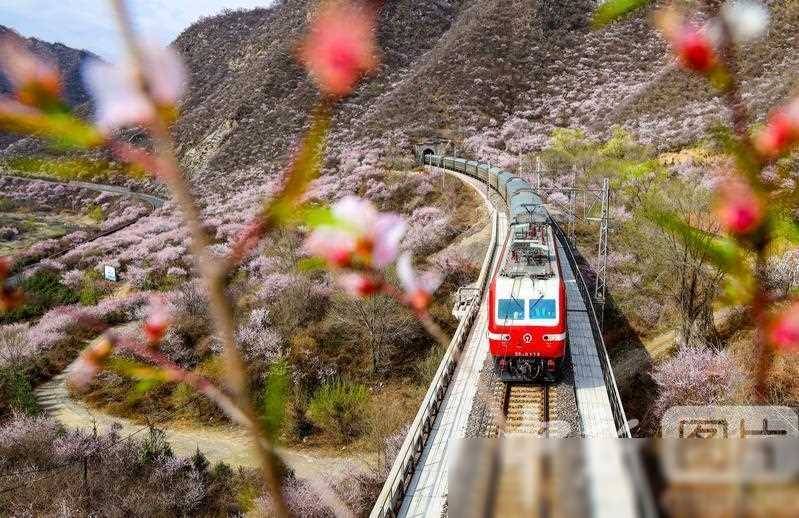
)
(231, 445)
(660, 346)
(155, 201)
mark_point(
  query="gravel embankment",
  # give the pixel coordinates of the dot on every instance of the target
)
(563, 404)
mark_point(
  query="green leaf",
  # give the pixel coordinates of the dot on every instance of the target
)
(721, 251)
(63, 130)
(274, 399)
(612, 10)
(304, 169)
(310, 264)
(738, 288)
(319, 216)
(147, 374)
(145, 386)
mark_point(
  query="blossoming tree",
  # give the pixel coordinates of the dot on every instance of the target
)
(353, 240)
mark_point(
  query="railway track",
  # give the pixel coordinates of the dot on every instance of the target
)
(523, 477)
(521, 409)
(526, 409)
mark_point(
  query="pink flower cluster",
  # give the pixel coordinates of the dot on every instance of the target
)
(340, 47)
(119, 90)
(364, 242)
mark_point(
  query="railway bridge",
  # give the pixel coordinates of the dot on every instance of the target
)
(417, 484)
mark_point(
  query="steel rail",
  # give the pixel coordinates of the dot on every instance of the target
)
(390, 499)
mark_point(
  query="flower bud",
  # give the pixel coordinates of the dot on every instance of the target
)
(90, 362)
(157, 322)
(418, 288)
(5, 267)
(10, 298)
(360, 285)
(780, 134)
(695, 49)
(340, 47)
(36, 82)
(746, 19)
(784, 329)
(739, 209)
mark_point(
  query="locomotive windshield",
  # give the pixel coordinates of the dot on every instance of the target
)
(514, 309)
(541, 309)
(510, 309)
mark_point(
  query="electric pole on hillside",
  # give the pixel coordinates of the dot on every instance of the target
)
(600, 287)
(599, 198)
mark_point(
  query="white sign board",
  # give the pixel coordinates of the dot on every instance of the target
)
(110, 273)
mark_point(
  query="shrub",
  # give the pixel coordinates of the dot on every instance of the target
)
(190, 327)
(696, 376)
(159, 281)
(91, 289)
(426, 368)
(44, 291)
(8, 233)
(95, 212)
(340, 409)
(16, 393)
(135, 476)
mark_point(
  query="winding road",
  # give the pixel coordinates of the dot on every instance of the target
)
(154, 201)
(231, 445)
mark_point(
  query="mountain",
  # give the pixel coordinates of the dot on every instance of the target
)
(68, 60)
(496, 76)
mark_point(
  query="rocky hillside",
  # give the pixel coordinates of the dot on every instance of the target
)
(495, 75)
(69, 60)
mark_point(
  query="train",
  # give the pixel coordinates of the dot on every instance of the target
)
(527, 295)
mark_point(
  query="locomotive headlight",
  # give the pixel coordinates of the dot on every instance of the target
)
(555, 338)
(499, 336)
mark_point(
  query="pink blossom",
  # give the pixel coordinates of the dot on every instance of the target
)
(118, 95)
(746, 19)
(90, 362)
(418, 288)
(781, 132)
(36, 82)
(696, 376)
(359, 284)
(784, 330)
(738, 208)
(158, 320)
(693, 46)
(340, 47)
(361, 235)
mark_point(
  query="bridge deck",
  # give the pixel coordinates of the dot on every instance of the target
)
(609, 490)
(593, 403)
(427, 491)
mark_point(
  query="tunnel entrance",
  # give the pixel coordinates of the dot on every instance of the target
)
(431, 147)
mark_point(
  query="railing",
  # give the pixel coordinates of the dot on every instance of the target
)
(390, 499)
(620, 418)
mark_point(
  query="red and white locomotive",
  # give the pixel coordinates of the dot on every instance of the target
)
(527, 306)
